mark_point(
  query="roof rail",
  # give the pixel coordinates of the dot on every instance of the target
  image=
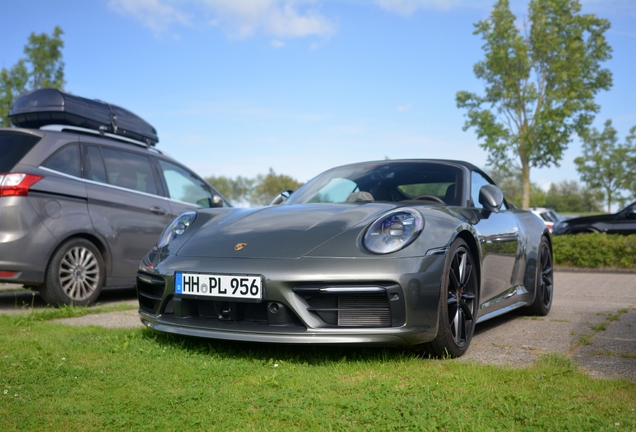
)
(67, 128)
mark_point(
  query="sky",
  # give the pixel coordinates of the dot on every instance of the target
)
(239, 87)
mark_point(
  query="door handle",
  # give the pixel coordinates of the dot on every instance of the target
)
(159, 211)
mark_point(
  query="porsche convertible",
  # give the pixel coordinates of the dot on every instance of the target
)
(397, 252)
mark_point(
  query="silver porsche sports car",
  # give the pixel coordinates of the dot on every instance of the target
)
(399, 252)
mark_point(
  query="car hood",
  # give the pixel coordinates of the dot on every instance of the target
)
(279, 231)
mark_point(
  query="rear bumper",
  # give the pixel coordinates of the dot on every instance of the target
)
(25, 242)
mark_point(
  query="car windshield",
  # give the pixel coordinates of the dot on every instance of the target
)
(424, 182)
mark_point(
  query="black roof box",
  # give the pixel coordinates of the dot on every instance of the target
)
(48, 106)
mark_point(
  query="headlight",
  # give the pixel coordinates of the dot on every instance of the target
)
(176, 228)
(393, 231)
(559, 226)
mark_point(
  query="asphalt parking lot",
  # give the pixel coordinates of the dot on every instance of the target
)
(593, 321)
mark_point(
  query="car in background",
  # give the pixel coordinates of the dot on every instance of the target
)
(549, 216)
(399, 252)
(622, 222)
(84, 194)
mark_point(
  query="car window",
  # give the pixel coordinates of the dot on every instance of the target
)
(94, 164)
(129, 170)
(436, 189)
(66, 160)
(185, 186)
(336, 191)
(13, 147)
(383, 181)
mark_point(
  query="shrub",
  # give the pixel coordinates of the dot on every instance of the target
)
(595, 250)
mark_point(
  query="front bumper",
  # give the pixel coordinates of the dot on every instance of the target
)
(398, 304)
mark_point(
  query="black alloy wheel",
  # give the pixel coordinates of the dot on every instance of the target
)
(458, 306)
(544, 281)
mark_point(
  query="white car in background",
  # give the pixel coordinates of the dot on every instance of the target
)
(549, 216)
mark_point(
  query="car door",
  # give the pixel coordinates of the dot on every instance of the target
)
(499, 234)
(625, 221)
(124, 205)
(186, 190)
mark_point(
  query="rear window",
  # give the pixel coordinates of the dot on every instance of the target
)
(66, 160)
(13, 147)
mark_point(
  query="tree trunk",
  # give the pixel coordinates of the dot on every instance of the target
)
(525, 176)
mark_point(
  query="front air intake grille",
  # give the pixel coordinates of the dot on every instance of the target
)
(150, 290)
(364, 311)
(355, 306)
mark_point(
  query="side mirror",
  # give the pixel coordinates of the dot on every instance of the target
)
(491, 198)
(630, 212)
(216, 201)
(281, 197)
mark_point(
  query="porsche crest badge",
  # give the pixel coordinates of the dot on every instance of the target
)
(239, 246)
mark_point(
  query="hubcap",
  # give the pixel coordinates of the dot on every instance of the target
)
(79, 273)
(461, 297)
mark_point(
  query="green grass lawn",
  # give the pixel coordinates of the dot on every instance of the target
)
(58, 377)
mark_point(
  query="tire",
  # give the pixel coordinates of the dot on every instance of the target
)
(544, 281)
(75, 274)
(458, 304)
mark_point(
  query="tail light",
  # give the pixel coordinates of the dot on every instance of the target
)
(17, 184)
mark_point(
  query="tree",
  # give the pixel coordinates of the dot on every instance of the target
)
(43, 67)
(255, 191)
(269, 185)
(540, 86)
(512, 187)
(236, 190)
(606, 164)
(569, 196)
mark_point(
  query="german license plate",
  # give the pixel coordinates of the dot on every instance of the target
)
(215, 285)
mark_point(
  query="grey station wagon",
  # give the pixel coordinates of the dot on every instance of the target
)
(80, 206)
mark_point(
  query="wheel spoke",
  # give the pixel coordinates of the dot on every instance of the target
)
(452, 299)
(454, 282)
(547, 297)
(460, 327)
(466, 308)
(467, 273)
(457, 325)
(462, 268)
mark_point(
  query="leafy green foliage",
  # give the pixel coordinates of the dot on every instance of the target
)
(607, 165)
(256, 191)
(511, 184)
(595, 250)
(44, 54)
(540, 86)
(267, 186)
(236, 190)
(59, 377)
(42, 67)
(569, 196)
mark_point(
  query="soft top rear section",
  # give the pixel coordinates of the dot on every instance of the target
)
(13, 147)
(48, 106)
